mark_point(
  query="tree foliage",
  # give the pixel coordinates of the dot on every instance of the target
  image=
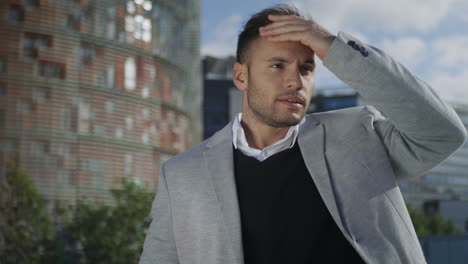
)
(431, 225)
(26, 232)
(113, 234)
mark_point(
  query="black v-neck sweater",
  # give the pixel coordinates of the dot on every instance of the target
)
(283, 217)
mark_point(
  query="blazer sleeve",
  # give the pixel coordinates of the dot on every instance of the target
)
(159, 246)
(417, 128)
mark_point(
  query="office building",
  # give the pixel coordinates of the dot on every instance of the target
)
(95, 91)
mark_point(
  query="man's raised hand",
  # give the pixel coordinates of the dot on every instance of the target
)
(293, 28)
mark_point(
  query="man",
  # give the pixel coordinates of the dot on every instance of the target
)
(276, 186)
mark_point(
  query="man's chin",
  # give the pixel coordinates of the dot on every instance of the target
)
(287, 121)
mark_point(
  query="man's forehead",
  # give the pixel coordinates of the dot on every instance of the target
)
(281, 51)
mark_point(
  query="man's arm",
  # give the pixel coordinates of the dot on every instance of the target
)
(159, 244)
(418, 129)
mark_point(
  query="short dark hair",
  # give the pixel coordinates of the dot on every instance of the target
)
(260, 19)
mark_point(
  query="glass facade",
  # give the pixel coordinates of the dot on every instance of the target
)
(93, 91)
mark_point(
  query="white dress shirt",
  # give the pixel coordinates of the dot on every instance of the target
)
(240, 142)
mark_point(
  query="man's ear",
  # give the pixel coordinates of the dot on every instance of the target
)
(239, 76)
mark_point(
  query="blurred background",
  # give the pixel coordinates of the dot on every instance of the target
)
(96, 95)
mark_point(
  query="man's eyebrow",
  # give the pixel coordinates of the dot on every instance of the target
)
(278, 59)
(284, 60)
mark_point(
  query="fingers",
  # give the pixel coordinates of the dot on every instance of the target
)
(289, 36)
(283, 30)
(274, 18)
(283, 20)
(284, 24)
(294, 28)
(290, 28)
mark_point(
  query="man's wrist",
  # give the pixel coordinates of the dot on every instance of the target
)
(326, 46)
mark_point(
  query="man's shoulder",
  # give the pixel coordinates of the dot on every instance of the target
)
(193, 153)
(340, 122)
(344, 116)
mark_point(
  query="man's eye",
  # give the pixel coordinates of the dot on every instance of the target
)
(307, 68)
(277, 65)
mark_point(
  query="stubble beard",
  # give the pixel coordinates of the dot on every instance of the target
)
(266, 113)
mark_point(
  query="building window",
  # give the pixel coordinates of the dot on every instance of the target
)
(150, 74)
(145, 138)
(51, 69)
(107, 78)
(145, 92)
(146, 114)
(110, 23)
(87, 54)
(2, 65)
(129, 122)
(153, 129)
(63, 176)
(128, 165)
(130, 74)
(137, 25)
(67, 119)
(84, 117)
(39, 148)
(96, 169)
(99, 130)
(31, 3)
(25, 107)
(2, 118)
(110, 76)
(32, 42)
(64, 150)
(16, 13)
(2, 89)
(119, 132)
(40, 95)
(109, 107)
(73, 22)
(131, 7)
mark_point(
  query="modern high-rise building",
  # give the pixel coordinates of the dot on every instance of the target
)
(92, 91)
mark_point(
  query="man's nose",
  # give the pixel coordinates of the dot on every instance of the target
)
(294, 80)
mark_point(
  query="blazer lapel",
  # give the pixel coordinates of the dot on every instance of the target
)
(219, 161)
(312, 144)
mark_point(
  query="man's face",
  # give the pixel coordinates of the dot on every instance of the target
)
(280, 83)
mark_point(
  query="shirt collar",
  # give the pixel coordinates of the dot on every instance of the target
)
(239, 140)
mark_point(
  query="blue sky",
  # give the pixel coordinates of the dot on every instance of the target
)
(430, 37)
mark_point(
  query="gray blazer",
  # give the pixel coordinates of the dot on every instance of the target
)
(355, 157)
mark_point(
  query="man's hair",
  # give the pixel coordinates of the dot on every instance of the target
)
(260, 19)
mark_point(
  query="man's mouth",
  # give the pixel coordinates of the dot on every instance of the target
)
(293, 101)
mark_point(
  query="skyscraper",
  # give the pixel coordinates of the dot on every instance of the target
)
(93, 91)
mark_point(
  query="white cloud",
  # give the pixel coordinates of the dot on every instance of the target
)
(452, 87)
(225, 37)
(442, 62)
(409, 51)
(451, 51)
(381, 16)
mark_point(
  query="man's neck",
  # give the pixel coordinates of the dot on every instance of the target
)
(260, 135)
